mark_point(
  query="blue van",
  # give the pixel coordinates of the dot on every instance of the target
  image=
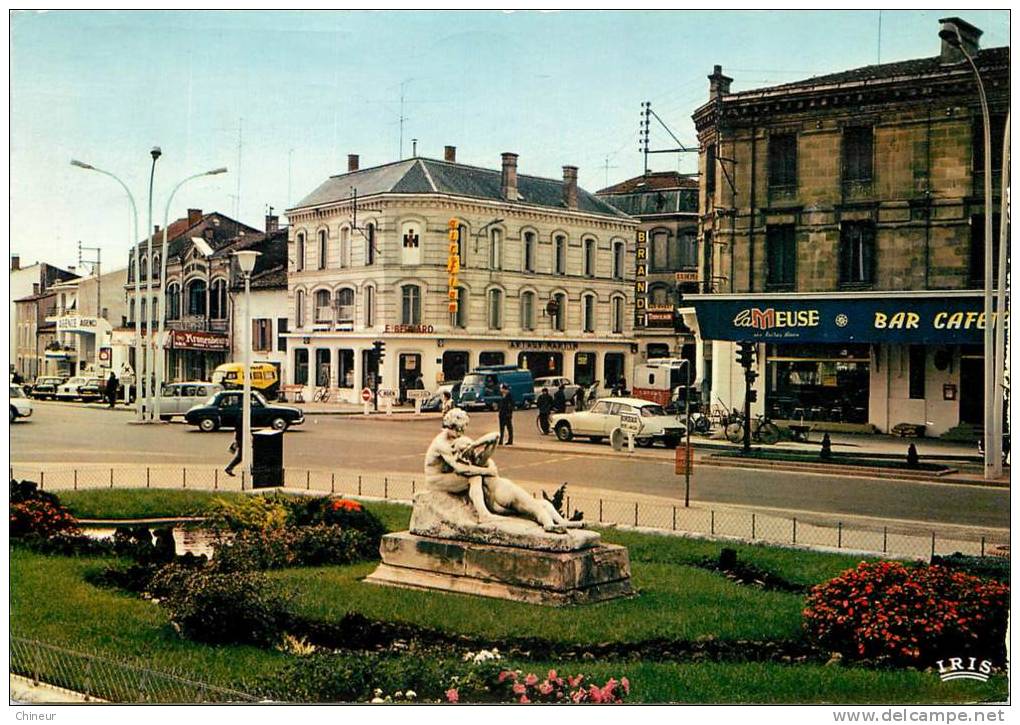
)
(480, 387)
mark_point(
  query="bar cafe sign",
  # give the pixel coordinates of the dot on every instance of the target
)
(943, 320)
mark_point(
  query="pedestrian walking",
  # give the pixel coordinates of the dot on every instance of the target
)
(237, 448)
(545, 407)
(506, 415)
(560, 399)
(112, 386)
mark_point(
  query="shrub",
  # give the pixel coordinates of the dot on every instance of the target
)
(68, 544)
(335, 511)
(21, 491)
(222, 608)
(246, 513)
(512, 685)
(985, 567)
(277, 548)
(41, 517)
(888, 612)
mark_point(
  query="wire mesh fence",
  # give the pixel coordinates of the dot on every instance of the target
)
(99, 677)
(726, 523)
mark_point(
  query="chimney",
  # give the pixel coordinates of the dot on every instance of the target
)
(570, 187)
(968, 35)
(272, 223)
(718, 84)
(15, 262)
(450, 154)
(155, 229)
(352, 162)
(509, 184)
(194, 217)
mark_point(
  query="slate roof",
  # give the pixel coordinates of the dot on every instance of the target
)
(431, 176)
(655, 180)
(270, 266)
(180, 232)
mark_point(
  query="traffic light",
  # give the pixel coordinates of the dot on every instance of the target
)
(379, 351)
(745, 355)
(752, 396)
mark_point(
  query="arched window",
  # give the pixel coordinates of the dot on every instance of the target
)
(560, 255)
(155, 266)
(196, 297)
(496, 249)
(143, 309)
(462, 232)
(619, 250)
(588, 313)
(144, 272)
(530, 252)
(345, 247)
(218, 300)
(154, 311)
(559, 316)
(131, 310)
(370, 307)
(370, 244)
(299, 252)
(323, 311)
(459, 318)
(345, 306)
(299, 308)
(131, 268)
(496, 309)
(618, 314)
(173, 301)
(589, 257)
(323, 237)
(527, 310)
(410, 304)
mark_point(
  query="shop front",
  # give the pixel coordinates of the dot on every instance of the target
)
(194, 355)
(850, 362)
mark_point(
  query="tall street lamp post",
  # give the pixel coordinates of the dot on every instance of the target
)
(160, 315)
(246, 263)
(134, 245)
(149, 352)
(992, 440)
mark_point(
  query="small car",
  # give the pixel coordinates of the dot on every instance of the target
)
(553, 383)
(179, 398)
(81, 387)
(21, 406)
(599, 422)
(223, 410)
(45, 387)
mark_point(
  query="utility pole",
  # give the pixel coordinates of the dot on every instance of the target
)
(97, 270)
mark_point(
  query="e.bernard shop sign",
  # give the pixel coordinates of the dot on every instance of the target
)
(944, 320)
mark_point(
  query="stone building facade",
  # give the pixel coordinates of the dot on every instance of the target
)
(543, 276)
(830, 205)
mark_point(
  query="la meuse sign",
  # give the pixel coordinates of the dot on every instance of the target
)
(948, 320)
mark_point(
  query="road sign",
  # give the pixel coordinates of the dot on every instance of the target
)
(366, 394)
(387, 393)
(418, 394)
(630, 423)
(684, 460)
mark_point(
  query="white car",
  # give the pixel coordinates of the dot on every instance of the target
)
(598, 422)
(179, 398)
(21, 406)
(570, 390)
(81, 388)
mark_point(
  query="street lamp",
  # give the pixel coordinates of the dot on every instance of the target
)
(246, 263)
(160, 353)
(134, 246)
(950, 33)
(146, 370)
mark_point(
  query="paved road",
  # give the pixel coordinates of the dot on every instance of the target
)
(62, 432)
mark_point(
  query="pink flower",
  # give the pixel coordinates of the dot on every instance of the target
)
(574, 681)
(503, 675)
(626, 685)
(595, 693)
(545, 688)
(578, 696)
(452, 695)
(524, 699)
(551, 675)
(531, 679)
(519, 689)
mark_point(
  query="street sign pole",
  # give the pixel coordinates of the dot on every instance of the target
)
(687, 434)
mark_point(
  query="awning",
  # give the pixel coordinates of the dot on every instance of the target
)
(931, 318)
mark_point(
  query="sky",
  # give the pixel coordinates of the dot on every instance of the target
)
(281, 98)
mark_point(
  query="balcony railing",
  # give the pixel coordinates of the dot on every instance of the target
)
(198, 323)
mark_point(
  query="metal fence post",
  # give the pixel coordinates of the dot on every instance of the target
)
(674, 518)
(839, 534)
(885, 539)
(932, 544)
(184, 477)
(75, 479)
(568, 506)
(600, 510)
(386, 487)
(216, 479)
(982, 546)
(795, 529)
(147, 478)
(332, 482)
(308, 480)
(41, 478)
(412, 487)
(635, 513)
(754, 521)
(711, 526)
(359, 484)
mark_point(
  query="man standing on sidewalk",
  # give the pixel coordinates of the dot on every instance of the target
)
(545, 406)
(506, 415)
(112, 385)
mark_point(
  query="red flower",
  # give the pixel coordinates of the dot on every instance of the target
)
(452, 695)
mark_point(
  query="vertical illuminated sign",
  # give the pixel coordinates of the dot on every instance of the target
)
(453, 265)
(641, 278)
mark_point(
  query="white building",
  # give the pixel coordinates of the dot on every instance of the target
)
(32, 280)
(540, 274)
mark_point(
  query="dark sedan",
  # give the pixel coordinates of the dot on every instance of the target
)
(45, 387)
(224, 410)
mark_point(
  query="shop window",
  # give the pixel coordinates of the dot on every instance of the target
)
(491, 357)
(281, 329)
(977, 250)
(856, 253)
(527, 310)
(301, 366)
(619, 251)
(496, 309)
(818, 382)
(612, 368)
(541, 364)
(782, 161)
(584, 368)
(560, 254)
(530, 251)
(858, 153)
(918, 359)
(345, 368)
(588, 312)
(589, 257)
(262, 335)
(410, 304)
(781, 256)
(196, 298)
(455, 365)
(322, 248)
(299, 252)
(998, 129)
(323, 357)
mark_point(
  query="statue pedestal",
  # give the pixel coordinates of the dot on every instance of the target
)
(592, 574)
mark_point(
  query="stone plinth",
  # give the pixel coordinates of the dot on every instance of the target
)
(592, 574)
(445, 516)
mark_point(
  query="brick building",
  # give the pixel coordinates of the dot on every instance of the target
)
(842, 231)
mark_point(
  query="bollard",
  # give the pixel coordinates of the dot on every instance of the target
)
(795, 530)
(753, 525)
(839, 534)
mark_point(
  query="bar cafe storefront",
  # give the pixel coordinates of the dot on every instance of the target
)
(864, 362)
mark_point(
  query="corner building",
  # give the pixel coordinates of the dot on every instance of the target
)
(842, 221)
(545, 278)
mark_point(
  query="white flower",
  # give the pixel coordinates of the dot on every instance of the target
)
(398, 694)
(410, 694)
(377, 692)
(377, 699)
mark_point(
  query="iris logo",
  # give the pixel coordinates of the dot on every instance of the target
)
(964, 668)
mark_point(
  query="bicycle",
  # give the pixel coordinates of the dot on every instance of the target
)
(763, 430)
(321, 395)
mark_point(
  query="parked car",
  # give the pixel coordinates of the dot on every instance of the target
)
(265, 378)
(179, 398)
(434, 402)
(599, 422)
(81, 388)
(480, 387)
(21, 406)
(553, 383)
(223, 410)
(46, 387)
